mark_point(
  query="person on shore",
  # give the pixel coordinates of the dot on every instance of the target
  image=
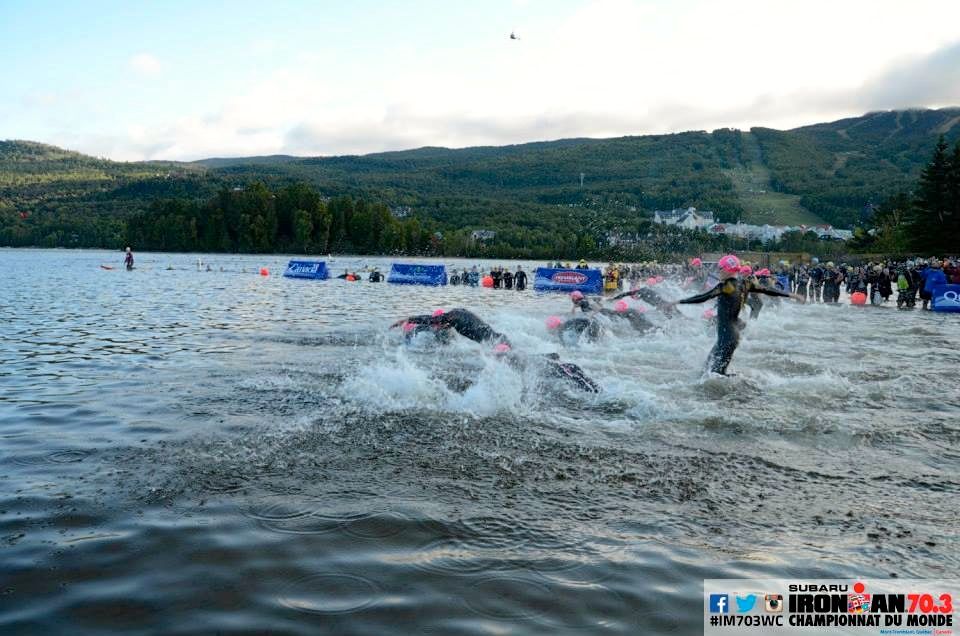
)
(730, 293)
(520, 279)
(128, 259)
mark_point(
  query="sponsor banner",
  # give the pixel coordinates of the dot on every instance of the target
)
(415, 274)
(830, 606)
(588, 281)
(316, 270)
(946, 298)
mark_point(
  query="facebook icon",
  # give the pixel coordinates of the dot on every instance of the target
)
(719, 604)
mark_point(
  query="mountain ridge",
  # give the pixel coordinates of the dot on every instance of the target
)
(827, 172)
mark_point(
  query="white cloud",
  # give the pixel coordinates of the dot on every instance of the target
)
(611, 67)
(145, 64)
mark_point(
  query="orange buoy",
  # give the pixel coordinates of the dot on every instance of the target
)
(264, 271)
(858, 298)
(487, 281)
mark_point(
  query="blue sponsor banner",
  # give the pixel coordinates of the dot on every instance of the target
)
(415, 274)
(315, 270)
(946, 298)
(588, 281)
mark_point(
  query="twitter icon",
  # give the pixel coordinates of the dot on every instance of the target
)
(745, 603)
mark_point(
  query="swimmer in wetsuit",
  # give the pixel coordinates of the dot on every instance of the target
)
(581, 303)
(469, 325)
(647, 295)
(464, 322)
(731, 294)
(570, 331)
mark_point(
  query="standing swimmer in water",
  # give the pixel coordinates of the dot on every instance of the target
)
(469, 325)
(128, 259)
(731, 293)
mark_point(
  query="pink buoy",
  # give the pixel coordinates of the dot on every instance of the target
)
(264, 271)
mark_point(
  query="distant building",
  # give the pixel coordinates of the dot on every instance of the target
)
(483, 235)
(401, 211)
(688, 218)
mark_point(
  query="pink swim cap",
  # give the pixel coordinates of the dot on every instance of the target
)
(651, 281)
(659, 279)
(437, 312)
(709, 313)
(696, 262)
(729, 263)
(641, 309)
(621, 306)
(554, 322)
(576, 295)
(503, 347)
(746, 270)
(763, 272)
(408, 327)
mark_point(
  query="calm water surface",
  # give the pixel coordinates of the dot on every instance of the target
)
(185, 451)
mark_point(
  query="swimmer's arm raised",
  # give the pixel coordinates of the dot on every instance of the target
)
(704, 297)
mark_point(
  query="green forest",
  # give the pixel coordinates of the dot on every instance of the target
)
(548, 199)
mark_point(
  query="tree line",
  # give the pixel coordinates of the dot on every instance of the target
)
(924, 220)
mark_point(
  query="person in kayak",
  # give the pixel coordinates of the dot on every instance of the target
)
(731, 293)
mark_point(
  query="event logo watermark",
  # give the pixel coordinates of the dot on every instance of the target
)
(569, 278)
(857, 606)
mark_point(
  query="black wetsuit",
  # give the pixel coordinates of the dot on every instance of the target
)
(375, 277)
(816, 283)
(520, 280)
(584, 305)
(551, 366)
(647, 295)
(464, 322)
(731, 295)
(637, 320)
(571, 330)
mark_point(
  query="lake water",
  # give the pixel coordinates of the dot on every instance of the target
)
(185, 451)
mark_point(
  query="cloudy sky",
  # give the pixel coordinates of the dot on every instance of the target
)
(196, 78)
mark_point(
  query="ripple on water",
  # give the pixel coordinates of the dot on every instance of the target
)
(331, 593)
(61, 456)
(524, 597)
